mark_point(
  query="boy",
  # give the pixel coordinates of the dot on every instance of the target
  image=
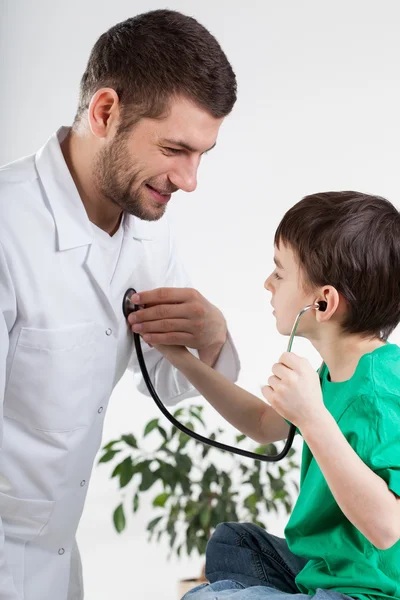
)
(342, 539)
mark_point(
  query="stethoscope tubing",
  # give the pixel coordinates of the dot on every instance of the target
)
(127, 308)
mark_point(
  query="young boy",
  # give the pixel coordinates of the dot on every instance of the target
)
(342, 539)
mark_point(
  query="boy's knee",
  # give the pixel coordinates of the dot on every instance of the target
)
(227, 533)
(220, 554)
(228, 553)
(238, 535)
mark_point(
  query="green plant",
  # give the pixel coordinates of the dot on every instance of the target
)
(194, 495)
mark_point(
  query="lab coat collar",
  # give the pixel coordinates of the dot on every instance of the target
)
(71, 219)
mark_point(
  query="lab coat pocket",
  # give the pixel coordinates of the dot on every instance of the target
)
(51, 378)
(23, 518)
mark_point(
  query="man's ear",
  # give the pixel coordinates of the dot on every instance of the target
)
(103, 112)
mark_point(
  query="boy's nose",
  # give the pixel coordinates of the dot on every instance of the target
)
(267, 284)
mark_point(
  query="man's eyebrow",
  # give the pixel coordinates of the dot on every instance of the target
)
(278, 263)
(184, 145)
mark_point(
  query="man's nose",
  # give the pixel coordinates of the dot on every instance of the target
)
(185, 175)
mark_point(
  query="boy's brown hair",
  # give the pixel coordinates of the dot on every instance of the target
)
(351, 241)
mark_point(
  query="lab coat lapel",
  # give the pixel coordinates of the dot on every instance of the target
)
(95, 268)
(132, 261)
(74, 230)
(70, 217)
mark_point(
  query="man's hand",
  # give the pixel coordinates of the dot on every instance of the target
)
(294, 390)
(179, 316)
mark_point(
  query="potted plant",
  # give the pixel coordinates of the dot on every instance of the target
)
(194, 494)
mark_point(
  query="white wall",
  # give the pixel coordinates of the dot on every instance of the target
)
(318, 109)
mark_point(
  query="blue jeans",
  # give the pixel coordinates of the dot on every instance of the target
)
(244, 562)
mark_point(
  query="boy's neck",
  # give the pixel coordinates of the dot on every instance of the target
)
(341, 355)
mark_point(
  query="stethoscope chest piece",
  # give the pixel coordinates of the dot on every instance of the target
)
(127, 306)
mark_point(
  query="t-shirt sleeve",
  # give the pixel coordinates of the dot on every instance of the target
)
(372, 427)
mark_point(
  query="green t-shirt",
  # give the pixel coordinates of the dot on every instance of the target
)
(367, 410)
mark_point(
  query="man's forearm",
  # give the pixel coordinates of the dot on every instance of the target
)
(362, 495)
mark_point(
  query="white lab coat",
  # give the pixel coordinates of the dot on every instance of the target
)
(64, 344)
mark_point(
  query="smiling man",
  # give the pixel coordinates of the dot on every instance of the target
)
(80, 222)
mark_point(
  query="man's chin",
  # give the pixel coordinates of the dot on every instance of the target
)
(146, 213)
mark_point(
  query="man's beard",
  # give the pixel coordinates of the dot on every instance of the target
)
(118, 181)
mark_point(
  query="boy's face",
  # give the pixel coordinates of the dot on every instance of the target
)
(288, 295)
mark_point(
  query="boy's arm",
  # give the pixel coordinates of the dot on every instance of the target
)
(362, 495)
(246, 412)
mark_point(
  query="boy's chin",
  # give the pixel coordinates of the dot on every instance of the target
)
(286, 329)
(283, 328)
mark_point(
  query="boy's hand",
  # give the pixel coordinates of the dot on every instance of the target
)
(294, 390)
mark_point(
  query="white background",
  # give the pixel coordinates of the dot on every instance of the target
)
(318, 109)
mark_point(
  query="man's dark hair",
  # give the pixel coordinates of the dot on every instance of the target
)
(351, 241)
(154, 56)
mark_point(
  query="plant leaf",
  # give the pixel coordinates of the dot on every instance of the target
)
(153, 523)
(110, 445)
(109, 455)
(162, 432)
(126, 471)
(148, 478)
(161, 499)
(205, 517)
(150, 426)
(195, 415)
(119, 518)
(130, 440)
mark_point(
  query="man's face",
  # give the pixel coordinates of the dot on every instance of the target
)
(140, 169)
(288, 295)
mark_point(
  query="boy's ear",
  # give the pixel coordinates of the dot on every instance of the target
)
(332, 298)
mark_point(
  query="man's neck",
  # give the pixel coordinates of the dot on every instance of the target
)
(79, 156)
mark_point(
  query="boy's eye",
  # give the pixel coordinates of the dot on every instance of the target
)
(277, 276)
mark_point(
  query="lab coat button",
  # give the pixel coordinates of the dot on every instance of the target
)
(100, 410)
(61, 551)
(108, 331)
(83, 482)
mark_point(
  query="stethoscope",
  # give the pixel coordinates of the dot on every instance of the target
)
(128, 307)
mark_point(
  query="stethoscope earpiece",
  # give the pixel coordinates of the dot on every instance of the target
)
(322, 305)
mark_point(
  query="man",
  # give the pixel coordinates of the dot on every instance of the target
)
(80, 222)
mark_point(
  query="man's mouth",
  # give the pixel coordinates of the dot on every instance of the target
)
(159, 195)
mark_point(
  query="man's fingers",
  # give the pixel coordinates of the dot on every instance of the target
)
(166, 311)
(172, 338)
(164, 326)
(165, 296)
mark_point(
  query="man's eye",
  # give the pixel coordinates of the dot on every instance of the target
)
(173, 150)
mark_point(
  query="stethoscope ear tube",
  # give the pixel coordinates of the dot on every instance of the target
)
(127, 308)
